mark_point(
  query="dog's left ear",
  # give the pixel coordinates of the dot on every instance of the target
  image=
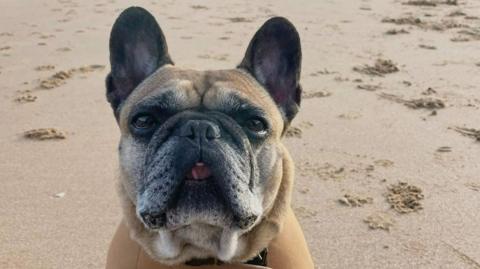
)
(137, 49)
(274, 58)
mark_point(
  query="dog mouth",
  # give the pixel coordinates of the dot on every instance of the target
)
(196, 199)
(199, 172)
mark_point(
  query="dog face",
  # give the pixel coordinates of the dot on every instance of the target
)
(200, 151)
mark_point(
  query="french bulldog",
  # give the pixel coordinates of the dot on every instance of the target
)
(203, 170)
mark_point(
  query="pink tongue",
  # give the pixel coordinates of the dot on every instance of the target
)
(200, 171)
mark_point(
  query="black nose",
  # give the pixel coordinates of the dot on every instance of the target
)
(200, 130)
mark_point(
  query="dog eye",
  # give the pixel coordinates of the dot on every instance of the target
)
(256, 125)
(144, 122)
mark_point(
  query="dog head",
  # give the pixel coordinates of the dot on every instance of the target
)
(201, 158)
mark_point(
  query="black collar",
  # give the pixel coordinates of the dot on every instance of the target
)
(260, 260)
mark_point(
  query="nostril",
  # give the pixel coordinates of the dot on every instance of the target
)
(213, 132)
(191, 133)
(153, 220)
(188, 131)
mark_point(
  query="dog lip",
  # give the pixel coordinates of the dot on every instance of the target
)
(198, 172)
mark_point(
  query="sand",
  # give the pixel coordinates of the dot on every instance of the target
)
(58, 206)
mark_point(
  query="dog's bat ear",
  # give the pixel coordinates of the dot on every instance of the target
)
(274, 58)
(137, 49)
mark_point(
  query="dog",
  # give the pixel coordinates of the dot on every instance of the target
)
(203, 171)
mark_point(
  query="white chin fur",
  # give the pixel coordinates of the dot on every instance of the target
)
(228, 244)
(166, 246)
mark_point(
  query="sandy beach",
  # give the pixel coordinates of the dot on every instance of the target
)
(386, 145)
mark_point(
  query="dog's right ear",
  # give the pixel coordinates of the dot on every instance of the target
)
(137, 49)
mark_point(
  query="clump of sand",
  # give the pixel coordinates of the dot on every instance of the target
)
(384, 163)
(420, 3)
(427, 47)
(44, 67)
(380, 68)
(352, 200)
(427, 103)
(430, 3)
(416, 103)
(45, 134)
(369, 87)
(239, 19)
(296, 131)
(444, 149)
(379, 221)
(324, 171)
(26, 98)
(405, 198)
(396, 32)
(470, 132)
(316, 94)
(473, 186)
(293, 131)
(305, 212)
(467, 35)
(404, 21)
(426, 25)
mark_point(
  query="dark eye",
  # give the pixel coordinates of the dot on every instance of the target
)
(256, 125)
(144, 122)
